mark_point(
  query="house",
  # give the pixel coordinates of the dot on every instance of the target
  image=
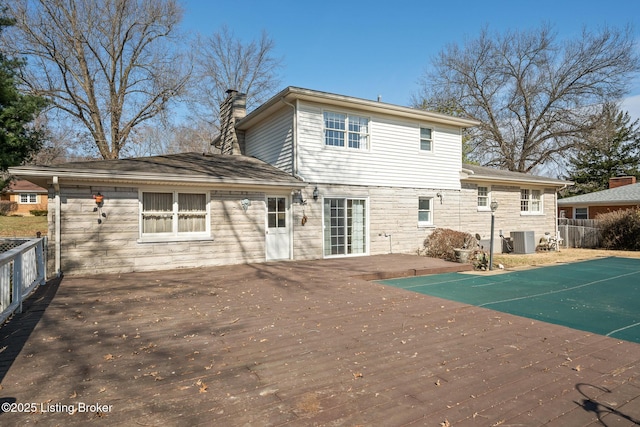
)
(623, 193)
(306, 175)
(27, 196)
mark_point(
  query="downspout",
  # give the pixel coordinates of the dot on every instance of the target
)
(294, 140)
(294, 165)
(57, 226)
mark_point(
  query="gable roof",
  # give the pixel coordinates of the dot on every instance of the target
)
(23, 186)
(292, 93)
(184, 168)
(482, 173)
(625, 195)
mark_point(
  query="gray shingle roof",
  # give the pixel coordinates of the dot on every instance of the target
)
(183, 167)
(627, 194)
(483, 172)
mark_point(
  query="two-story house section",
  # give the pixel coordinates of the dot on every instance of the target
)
(379, 171)
(306, 175)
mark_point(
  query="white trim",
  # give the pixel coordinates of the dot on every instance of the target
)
(424, 224)
(488, 207)
(367, 225)
(175, 235)
(346, 131)
(575, 211)
(530, 212)
(28, 202)
(288, 222)
(433, 138)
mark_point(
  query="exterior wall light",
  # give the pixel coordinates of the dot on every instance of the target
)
(245, 204)
(316, 193)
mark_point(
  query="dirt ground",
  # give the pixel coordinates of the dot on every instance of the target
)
(552, 257)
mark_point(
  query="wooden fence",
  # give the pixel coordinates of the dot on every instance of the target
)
(580, 233)
(22, 269)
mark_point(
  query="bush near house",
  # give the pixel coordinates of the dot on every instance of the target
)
(6, 207)
(620, 230)
(39, 212)
(441, 243)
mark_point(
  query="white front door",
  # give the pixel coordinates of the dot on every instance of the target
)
(277, 240)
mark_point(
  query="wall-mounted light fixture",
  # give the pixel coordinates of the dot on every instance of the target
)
(245, 203)
(441, 197)
(316, 193)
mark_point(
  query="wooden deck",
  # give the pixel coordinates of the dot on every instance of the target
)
(300, 344)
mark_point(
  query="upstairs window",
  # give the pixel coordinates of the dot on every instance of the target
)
(346, 130)
(426, 139)
(530, 201)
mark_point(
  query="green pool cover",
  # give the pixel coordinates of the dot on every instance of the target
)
(600, 296)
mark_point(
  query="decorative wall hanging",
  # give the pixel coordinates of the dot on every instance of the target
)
(99, 198)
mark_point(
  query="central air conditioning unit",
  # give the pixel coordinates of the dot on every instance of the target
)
(524, 242)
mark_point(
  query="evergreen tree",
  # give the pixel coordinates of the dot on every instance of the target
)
(19, 139)
(611, 148)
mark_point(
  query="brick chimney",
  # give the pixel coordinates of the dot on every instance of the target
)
(619, 181)
(232, 109)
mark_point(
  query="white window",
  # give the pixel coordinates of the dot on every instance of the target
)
(346, 130)
(28, 198)
(582, 213)
(426, 139)
(530, 201)
(425, 215)
(483, 198)
(174, 214)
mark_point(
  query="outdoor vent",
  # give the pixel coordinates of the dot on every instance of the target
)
(524, 242)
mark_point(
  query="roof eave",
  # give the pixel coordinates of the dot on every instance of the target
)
(293, 93)
(564, 202)
(472, 176)
(145, 178)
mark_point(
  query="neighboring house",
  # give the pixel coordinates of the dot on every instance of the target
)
(26, 195)
(306, 175)
(623, 193)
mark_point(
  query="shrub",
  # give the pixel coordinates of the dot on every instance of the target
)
(7, 206)
(442, 241)
(620, 230)
(39, 212)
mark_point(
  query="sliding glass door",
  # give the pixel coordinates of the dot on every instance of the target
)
(345, 226)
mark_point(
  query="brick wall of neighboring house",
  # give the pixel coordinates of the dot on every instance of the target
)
(594, 211)
(24, 207)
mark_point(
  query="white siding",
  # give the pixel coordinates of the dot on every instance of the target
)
(394, 158)
(271, 140)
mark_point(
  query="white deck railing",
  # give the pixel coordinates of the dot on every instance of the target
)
(22, 269)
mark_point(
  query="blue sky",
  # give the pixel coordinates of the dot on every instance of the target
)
(370, 48)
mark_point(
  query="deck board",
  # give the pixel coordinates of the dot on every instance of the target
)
(300, 343)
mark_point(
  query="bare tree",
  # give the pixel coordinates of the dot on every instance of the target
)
(533, 93)
(110, 65)
(224, 62)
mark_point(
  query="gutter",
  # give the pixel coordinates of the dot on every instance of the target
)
(155, 179)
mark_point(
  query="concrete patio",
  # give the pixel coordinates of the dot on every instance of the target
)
(299, 344)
